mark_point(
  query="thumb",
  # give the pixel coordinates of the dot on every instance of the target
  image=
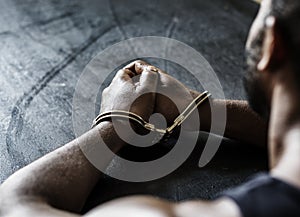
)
(148, 81)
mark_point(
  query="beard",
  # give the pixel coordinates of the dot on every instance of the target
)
(255, 92)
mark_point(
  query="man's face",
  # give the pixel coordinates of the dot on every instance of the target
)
(256, 91)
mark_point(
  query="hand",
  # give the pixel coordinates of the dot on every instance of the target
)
(172, 97)
(131, 90)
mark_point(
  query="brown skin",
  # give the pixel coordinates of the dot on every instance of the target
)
(254, 130)
(37, 190)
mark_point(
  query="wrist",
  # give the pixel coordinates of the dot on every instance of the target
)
(109, 135)
(205, 115)
(116, 133)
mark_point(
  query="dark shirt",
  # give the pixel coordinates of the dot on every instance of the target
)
(266, 196)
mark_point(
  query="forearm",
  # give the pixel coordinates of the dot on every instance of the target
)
(62, 178)
(149, 206)
(242, 123)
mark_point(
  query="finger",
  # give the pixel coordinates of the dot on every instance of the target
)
(148, 81)
(140, 66)
(124, 75)
(132, 66)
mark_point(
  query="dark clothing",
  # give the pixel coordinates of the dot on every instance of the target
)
(265, 196)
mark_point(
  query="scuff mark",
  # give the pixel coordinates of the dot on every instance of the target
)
(14, 129)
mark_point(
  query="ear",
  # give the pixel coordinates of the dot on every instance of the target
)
(273, 50)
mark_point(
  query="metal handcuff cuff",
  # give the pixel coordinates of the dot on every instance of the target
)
(164, 133)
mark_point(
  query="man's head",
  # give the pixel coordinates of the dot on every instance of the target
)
(273, 44)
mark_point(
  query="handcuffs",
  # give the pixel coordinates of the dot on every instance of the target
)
(151, 127)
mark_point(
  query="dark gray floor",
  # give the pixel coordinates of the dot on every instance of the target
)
(44, 46)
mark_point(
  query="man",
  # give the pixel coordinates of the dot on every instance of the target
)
(59, 183)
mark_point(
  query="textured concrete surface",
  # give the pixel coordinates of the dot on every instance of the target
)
(44, 46)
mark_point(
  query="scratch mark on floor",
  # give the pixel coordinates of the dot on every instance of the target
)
(8, 33)
(48, 21)
(120, 27)
(169, 33)
(14, 129)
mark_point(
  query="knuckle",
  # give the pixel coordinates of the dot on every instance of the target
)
(105, 91)
(150, 74)
(120, 73)
(140, 62)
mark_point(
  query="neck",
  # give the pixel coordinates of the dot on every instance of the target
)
(284, 130)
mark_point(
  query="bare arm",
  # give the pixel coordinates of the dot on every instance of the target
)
(62, 179)
(153, 207)
(242, 124)
(58, 184)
